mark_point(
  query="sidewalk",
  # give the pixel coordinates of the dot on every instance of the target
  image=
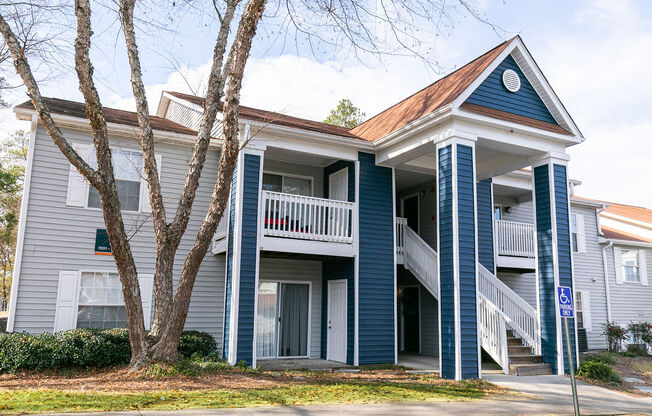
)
(544, 395)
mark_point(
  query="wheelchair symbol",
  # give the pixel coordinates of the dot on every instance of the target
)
(563, 298)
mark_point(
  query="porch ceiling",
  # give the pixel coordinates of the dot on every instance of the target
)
(291, 156)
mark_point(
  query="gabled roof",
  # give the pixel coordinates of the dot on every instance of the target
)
(630, 211)
(431, 98)
(112, 115)
(272, 117)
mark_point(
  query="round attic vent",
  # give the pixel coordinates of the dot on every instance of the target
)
(511, 80)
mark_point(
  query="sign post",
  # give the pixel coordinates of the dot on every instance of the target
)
(565, 300)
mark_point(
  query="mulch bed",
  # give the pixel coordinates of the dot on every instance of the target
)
(629, 367)
(121, 380)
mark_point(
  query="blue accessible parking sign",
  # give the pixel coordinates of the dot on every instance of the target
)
(565, 297)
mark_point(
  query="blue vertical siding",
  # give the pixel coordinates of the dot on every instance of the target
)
(467, 262)
(248, 251)
(375, 263)
(485, 224)
(525, 102)
(446, 272)
(564, 247)
(228, 289)
(332, 269)
(546, 265)
(336, 166)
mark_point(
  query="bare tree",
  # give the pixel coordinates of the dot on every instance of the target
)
(358, 24)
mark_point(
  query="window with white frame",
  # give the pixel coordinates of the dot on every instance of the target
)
(100, 301)
(579, 310)
(574, 232)
(127, 168)
(288, 184)
(629, 265)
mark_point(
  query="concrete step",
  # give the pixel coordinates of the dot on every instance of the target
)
(514, 341)
(518, 350)
(530, 369)
(525, 359)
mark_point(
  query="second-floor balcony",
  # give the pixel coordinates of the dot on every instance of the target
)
(514, 244)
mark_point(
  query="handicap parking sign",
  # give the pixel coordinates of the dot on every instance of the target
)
(565, 297)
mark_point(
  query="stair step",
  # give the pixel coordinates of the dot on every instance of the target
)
(514, 341)
(525, 359)
(530, 369)
(518, 350)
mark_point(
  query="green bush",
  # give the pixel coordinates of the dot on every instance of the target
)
(83, 348)
(598, 371)
(198, 343)
(603, 357)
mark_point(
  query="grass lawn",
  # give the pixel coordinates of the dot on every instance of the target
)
(163, 389)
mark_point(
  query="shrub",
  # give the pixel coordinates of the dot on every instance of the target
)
(615, 335)
(82, 348)
(627, 354)
(637, 349)
(603, 357)
(598, 371)
(198, 343)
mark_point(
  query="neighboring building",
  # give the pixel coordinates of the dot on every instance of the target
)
(352, 245)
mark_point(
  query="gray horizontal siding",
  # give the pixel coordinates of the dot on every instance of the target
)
(303, 270)
(524, 284)
(58, 237)
(630, 302)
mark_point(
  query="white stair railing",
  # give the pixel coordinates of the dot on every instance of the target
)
(514, 239)
(401, 225)
(519, 315)
(421, 260)
(307, 217)
(493, 337)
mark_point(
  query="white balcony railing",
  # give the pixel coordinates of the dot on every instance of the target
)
(514, 238)
(493, 335)
(307, 218)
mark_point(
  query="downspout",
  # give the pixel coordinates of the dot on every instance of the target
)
(605, 264)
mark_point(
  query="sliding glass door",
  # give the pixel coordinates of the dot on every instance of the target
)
(282, 319)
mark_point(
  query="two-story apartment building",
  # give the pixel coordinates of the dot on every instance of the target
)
(351, 245)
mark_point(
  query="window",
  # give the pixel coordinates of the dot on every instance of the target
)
(100, 301)
(287, 184)
(574, 233)
(579, 310)
(127, 167)
(629, 265)
(498, 212)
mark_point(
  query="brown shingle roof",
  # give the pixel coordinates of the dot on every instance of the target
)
(429, 99)
(611, 233)
(630, 211)
(112, 115)
(272, 117)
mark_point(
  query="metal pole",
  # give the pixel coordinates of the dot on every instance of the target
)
(571, 367)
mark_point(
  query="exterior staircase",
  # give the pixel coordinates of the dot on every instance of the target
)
(508, 325)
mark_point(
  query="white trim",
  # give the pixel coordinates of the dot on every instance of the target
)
(438, 235)
(346, 312)
(476, 260)
(605, 266)
(576, 359)
(456, 263)
(20, 239)
(356, 267)
(259, 234)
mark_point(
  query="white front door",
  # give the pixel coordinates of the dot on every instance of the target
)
(338, 185)
(336, 335)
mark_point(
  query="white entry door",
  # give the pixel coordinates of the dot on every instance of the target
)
(336, 335)
(338, 185)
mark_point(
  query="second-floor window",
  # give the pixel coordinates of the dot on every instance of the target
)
(629, 265)
(287, 184)
(127, 168)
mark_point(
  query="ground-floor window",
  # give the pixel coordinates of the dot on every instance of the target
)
(100, 301)
(282, 319)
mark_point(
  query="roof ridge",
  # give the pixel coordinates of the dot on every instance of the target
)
(437, 81)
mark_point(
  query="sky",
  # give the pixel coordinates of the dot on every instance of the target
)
(595, 54)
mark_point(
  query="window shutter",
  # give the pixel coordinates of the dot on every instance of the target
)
(146, 282)
(65, 315)
(77, 185)
(144, 190)
(586, 309)
(642, 266)
(581, 234)
(617, 266)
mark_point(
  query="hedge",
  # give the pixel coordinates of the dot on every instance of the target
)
(598, 371)
(83, 348)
